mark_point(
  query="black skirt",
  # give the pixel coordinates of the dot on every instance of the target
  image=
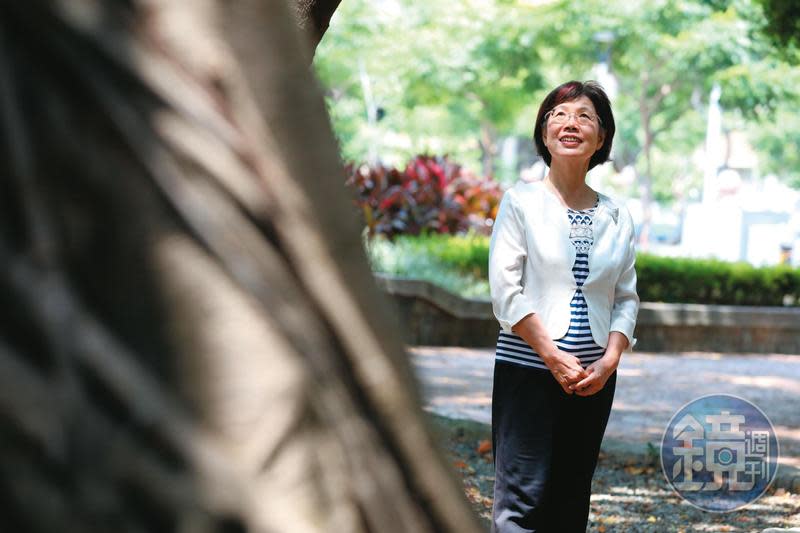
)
(546, 444)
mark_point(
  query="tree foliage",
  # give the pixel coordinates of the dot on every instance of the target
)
(441, 70)
(783, 21)
(449, 72)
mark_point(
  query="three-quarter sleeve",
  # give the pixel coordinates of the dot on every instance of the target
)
(626, 300)
(507, 254)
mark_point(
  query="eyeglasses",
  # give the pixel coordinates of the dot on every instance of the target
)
(559, 116)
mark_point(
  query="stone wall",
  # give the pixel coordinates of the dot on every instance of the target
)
(430, 315)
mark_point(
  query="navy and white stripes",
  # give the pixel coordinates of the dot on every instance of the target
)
(578, 340)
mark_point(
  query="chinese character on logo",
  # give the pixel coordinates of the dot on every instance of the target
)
(720, 444)
(692, 430)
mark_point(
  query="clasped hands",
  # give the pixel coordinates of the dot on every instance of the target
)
(573, 378)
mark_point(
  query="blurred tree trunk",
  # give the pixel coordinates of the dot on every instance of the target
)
(190, 337)
(650, 98)
(488, 145)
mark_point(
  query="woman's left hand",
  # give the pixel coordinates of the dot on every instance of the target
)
(599, 372)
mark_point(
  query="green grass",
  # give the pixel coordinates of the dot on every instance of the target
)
(456, 263)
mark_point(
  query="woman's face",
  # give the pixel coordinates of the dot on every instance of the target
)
(578, 135)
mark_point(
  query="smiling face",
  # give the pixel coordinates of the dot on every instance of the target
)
(579, 135)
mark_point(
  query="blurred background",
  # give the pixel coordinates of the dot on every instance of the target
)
(433, 104)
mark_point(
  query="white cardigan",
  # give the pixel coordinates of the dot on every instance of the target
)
(531, 259)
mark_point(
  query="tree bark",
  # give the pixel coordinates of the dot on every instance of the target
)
(488, 144)
(191, 339)
(314, 16)
(646, 116)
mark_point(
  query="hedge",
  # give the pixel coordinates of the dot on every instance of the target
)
(708, 281)
(660, 279)
(456, 263)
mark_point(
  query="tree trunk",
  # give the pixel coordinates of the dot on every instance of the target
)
(191, 339)
(646, 178)
(488, 144)
(314, 16)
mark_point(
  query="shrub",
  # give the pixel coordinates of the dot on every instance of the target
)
(425, 258)
(432, 194)
(462, 261)
(708, 281)
(466, 254)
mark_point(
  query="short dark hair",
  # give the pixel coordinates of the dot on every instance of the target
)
(567, 92)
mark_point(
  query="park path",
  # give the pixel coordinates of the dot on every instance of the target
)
(457, 382)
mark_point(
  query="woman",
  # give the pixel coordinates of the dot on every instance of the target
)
(563, 284)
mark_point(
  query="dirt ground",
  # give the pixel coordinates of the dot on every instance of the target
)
(651, 388)
(629, 494)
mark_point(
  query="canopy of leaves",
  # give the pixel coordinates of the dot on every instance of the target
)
(783, 21)
(441, 70)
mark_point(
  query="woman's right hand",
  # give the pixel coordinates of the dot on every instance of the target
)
(566, 368)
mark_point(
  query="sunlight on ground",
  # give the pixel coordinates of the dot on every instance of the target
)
(473, 399)
(767, 382)
(629, 372)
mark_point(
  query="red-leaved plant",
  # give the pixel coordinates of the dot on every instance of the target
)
(432, 194)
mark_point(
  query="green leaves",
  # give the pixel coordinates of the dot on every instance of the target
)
(663, 279)
(442, 70)
(783, 22)
(460, 263)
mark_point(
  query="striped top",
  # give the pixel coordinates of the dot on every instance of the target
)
(578, 340)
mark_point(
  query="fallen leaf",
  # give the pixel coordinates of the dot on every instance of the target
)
(473, 493)
(460, 464)
(651, 519)
(601, 529)
(484, 446)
